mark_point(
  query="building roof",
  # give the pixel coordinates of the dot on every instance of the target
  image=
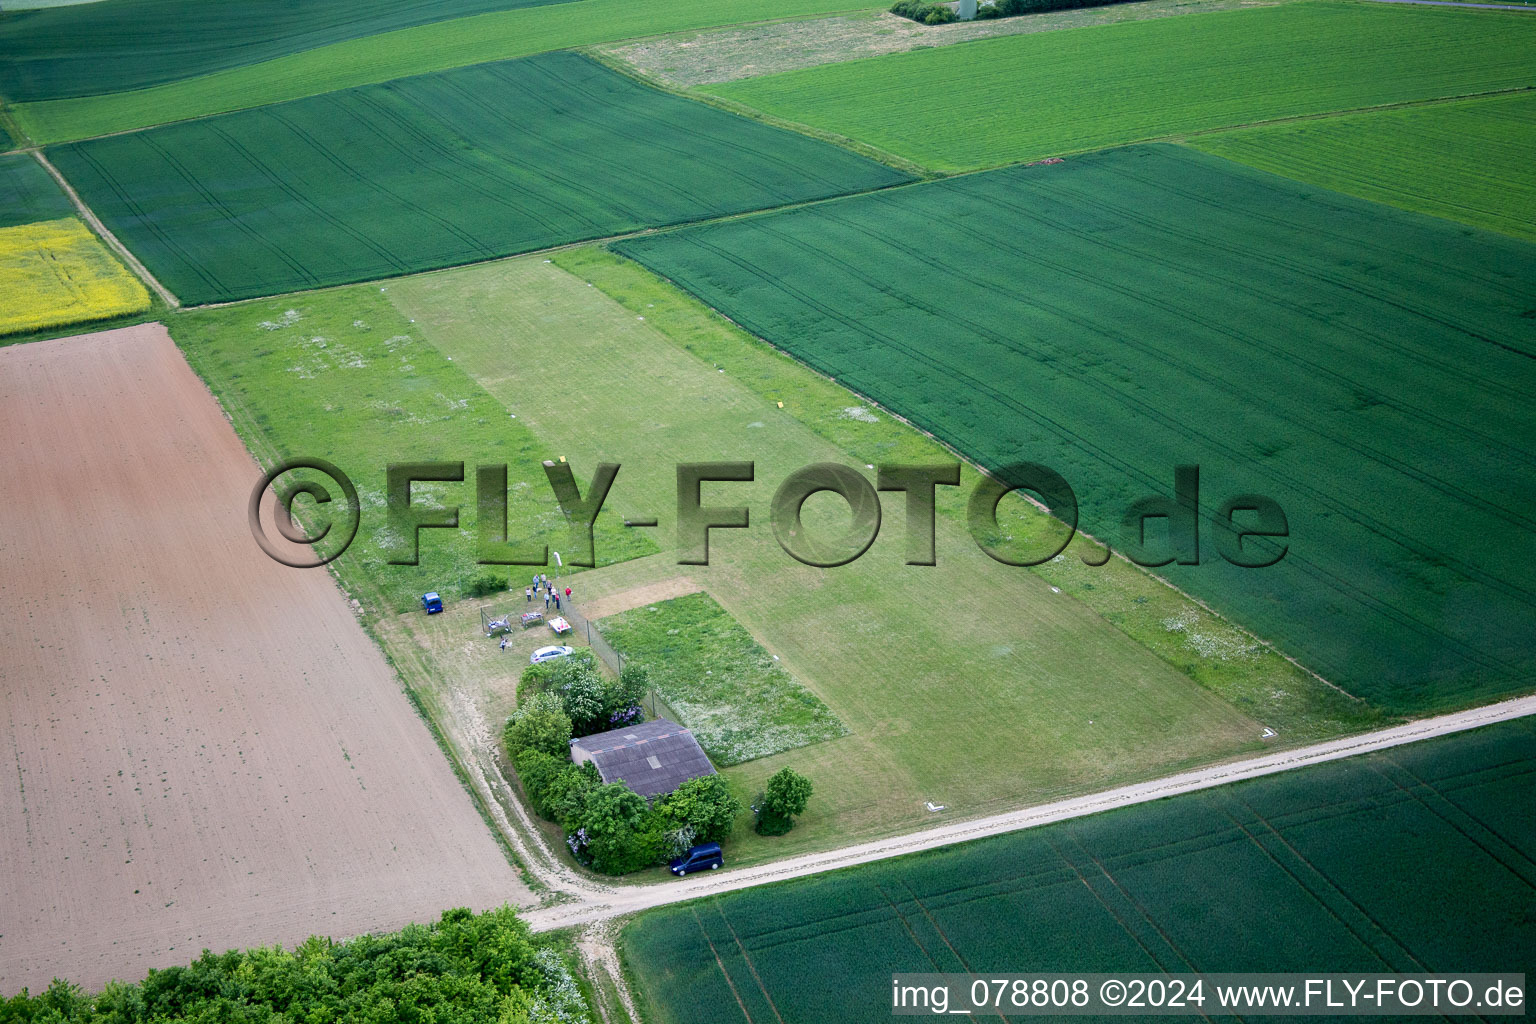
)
(652, 758)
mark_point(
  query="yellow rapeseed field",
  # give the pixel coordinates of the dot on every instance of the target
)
(55, 272)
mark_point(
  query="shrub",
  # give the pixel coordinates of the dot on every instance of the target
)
(922, 12)
(705, 806)
(538, 728)
(786, 796)
(592, 701)
(622, 833)
(586, 702)
(486, 583)
(565, 797)
(537, 771)
(937, 14)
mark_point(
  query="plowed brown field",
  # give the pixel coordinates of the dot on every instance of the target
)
(198, 747)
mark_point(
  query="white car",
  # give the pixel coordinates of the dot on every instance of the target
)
(549, 654)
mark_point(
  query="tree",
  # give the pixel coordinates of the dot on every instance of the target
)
(566, 795)
(784, 798)
(538, 771)
(705, 805)
(538, 728)
(586, 701)
(634, 684)
(622, 833)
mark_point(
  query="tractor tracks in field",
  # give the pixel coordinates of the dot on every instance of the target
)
(90, 218)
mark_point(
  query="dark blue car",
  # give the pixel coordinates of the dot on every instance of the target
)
(432, 603)
(705, 855)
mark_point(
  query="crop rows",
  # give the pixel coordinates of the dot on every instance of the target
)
(84, 50)
(1468, 160)
(1030, 96)
(434, 171)
(28, 193)
(1357, 864)
(1126, 312)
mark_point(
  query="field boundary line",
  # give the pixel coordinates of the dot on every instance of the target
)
(645, 897)
(1462, 3)
(383, 81)
(89, 216)
(1325, 114)
(864, 149)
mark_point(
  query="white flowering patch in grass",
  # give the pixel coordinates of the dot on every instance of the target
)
(739, 702)
(1211, 639)
(861, 413)
(288, 319)
(559, 1000)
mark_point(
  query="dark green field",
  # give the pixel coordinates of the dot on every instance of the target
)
(433, 171)
(28, 193)
(1422, 858)
(95, 48)
(1125, 312)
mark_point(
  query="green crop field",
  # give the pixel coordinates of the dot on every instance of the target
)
(1125, 312)
(1359, 865)
(1468, 160)
(1031, 96)
(342, 376)
(388, 55)
(28, 193)
(934, 670)
(96, 48)
(432, 171)
(737, 699)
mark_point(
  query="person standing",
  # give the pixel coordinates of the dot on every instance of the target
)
(557, 600)
(567, 593)
(546, 599)
(528, 594)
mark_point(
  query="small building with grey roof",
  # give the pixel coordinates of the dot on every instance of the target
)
(652, 758)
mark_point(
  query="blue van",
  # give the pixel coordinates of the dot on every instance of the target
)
(432, 603)
(705, 855)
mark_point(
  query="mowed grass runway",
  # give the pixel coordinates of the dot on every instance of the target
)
(1357, 865)
(1126, 312)
(340, 375)
(970, 683)
(1468, 160)
(433, 171)
(1026, 97)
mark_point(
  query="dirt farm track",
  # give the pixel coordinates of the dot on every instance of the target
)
(198, 747)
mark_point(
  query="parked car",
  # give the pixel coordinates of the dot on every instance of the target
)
(432, 603)
(705, 855)
(549, 654)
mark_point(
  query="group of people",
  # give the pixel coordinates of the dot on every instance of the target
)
(542, 584)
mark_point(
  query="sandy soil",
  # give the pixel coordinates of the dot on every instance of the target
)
(637, 597)
(200, 747)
